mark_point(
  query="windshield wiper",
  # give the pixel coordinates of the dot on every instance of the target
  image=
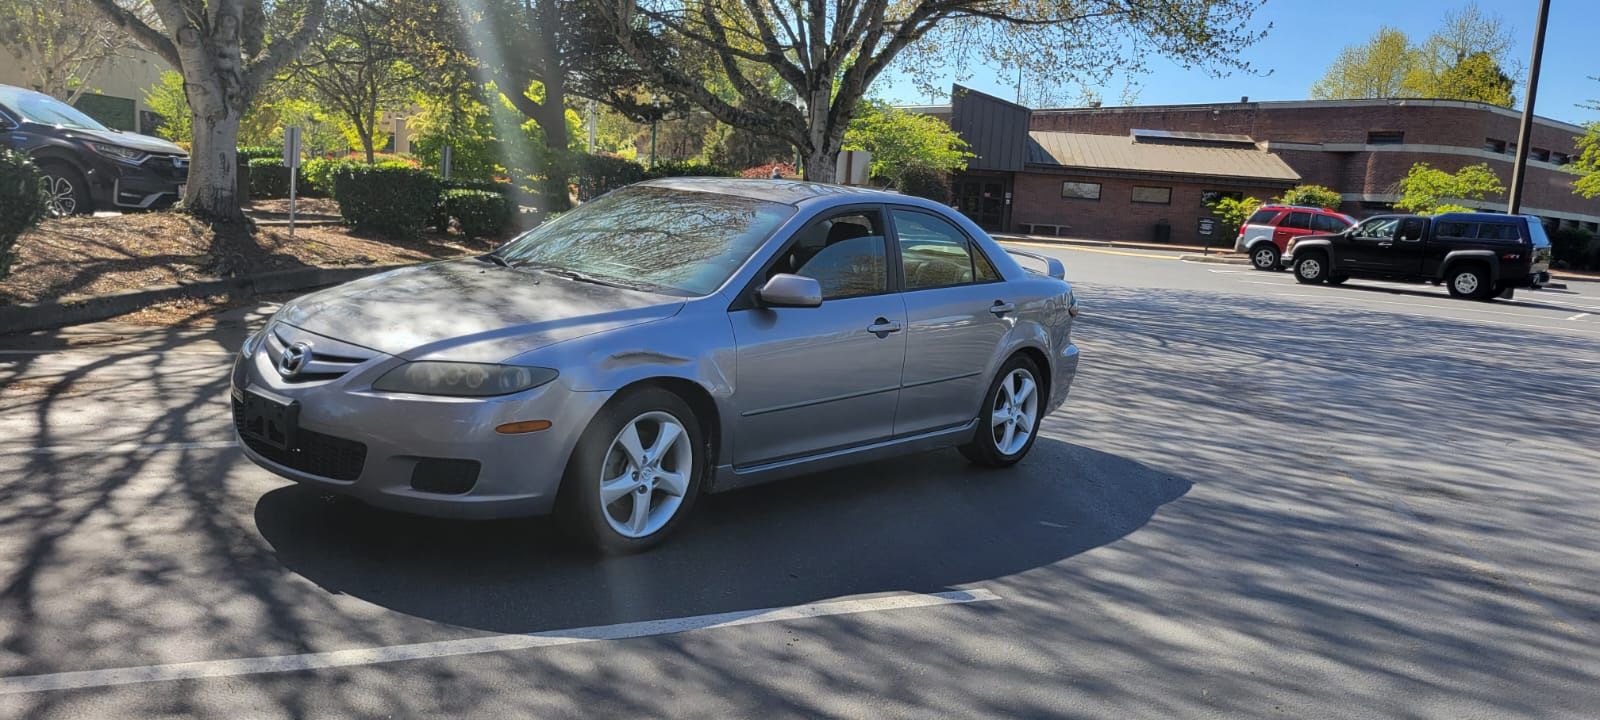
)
(496, 259)
(577, 276)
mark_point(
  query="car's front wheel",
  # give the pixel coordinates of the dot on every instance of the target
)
(1311, 267)
(1265, 256)
(1011, 416)
(636, 472)
(65, 191)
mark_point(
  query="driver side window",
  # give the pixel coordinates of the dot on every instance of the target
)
(1378, 228)
(844, 253)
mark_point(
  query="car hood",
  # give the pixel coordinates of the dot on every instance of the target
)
(135, 141)
(469, 310)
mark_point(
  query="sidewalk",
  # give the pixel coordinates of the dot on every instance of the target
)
(1218, 249)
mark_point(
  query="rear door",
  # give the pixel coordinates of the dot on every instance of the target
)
(809, 380)
(958, 311)
(1297, 224)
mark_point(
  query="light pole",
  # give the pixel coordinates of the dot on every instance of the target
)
(1525, 133)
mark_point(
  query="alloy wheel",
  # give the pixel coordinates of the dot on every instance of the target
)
(645, 474)
(60, 200)
(1264, 259)
(1015, 412)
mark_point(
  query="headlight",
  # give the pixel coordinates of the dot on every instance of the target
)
(250, 343)
(116, 152)
(462, 379)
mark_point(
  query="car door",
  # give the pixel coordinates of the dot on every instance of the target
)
(1367, 247)
(1296, 224)
(958, 311)
(808, 380)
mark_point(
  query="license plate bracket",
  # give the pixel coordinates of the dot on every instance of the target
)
(270, 418)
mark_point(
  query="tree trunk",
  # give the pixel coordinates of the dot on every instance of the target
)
(213, 165)
(552, 122)
(821, 149)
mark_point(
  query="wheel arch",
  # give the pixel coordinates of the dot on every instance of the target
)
(706, 412)
(1456, 259)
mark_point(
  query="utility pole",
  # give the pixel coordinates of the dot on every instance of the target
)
(1519, 170)
(591, 113)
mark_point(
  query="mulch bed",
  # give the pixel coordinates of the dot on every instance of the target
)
(96, 255)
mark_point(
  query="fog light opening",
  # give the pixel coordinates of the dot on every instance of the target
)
(526, 426)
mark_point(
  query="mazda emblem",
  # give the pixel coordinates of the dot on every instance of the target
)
(294, 359)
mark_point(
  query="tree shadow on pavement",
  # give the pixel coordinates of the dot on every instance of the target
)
(921, 523)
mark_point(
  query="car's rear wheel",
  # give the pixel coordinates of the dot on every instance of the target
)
(1469, 281)
(65, 190)
(1011, 415)
(636, 472)
(1265, 256)
(1311, 267)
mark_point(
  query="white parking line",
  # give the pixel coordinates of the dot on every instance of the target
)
(478, 645)
(1457, 319)
(1579, 316)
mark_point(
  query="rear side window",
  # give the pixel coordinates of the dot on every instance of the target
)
(1458, 230)
(1328, 224)
(1498, 231)
(934, 253)
(1262, 217)
(1298, 221)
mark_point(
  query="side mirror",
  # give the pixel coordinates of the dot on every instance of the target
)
(785, 290)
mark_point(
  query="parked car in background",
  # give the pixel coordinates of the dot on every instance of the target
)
(1266, 235)
(1475, 255)
(667, 338)
(88, 166)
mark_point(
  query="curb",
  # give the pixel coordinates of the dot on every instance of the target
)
(1048, 239)
(73, 310)
(1574, 278)
(1215, 259)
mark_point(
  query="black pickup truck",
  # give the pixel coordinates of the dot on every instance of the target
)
(1475, 255)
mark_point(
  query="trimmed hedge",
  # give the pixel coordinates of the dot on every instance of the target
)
(687, 168)
(392, 201)
(504, 188)
(256, 152)
(480, 213)
(21, 203)
(597, 175)
(1574, 249)
(269, 178)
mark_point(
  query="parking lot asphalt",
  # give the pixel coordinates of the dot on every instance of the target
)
(1262, 499)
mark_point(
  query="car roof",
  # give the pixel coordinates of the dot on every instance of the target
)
(1307, 208)
(1479, 217)
(788, 192)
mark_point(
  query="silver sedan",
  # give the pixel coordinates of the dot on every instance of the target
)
(667, 339)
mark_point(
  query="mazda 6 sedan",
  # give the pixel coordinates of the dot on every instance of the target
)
(670, 338)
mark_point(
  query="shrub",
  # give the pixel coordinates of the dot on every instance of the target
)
(597, 175)
(481, 213)
(925, 182)
(1311, 196)
(317, 174)
(257, 152)
(21, 203)
(392, 201)
(504, 188)
(269, 178)
(1574, 249)
(686, 168)
(764, 172)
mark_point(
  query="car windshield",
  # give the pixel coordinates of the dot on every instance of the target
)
(684, 242)
(46, 110)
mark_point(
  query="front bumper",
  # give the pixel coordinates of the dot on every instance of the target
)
(369, 445)
(155, 183)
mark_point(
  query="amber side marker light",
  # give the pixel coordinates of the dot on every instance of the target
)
(526, 426)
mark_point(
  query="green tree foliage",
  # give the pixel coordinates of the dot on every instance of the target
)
(1475, 77)
(1429, 191)
(56, 46)
(903, 142)
(166, 99)
(1234, 211)
(357, 68)
(1587, 164)
(1375, 69)
(1311, 196)
(21, 203)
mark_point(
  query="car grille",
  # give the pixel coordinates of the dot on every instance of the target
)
(330, 359)
(313, 453)
(168, 166)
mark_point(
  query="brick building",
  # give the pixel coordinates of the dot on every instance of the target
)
(1120, 172)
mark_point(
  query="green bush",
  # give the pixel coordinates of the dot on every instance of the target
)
(504, 188)
(269, 178)
(1311, 196)
(481, 213)
(392, 201)
(257, 152)
(1574, 249)
(21, 203)
(597, 175)
(686, 168)
(317, 174)
(925, 182)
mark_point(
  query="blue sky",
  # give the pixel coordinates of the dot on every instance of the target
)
(1306, 35)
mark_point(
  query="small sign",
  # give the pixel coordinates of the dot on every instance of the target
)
(1207, 227)
(291, 147)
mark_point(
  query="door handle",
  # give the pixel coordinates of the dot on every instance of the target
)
(883, 326)
(1001, 307)
(1385, 244)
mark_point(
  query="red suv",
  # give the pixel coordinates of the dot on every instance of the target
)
(1267, 233)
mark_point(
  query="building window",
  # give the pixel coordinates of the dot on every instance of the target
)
(1386, 137)
(1591, 227)
(1081, 190)
(1212, 197)
(1560, 158)
(1494, 146)
(1539, 154)
(1152, 195)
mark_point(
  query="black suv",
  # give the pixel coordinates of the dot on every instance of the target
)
(1475, 255)
(88, 166)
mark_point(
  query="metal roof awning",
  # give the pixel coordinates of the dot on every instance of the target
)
(1234, 156)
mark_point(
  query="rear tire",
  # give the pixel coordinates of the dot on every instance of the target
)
(66, 192)
(1469, 281)
(1311, 268)
(1265, 256)
(1012, 411)
(627, 493)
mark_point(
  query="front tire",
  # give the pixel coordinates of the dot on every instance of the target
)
(1265, 256)
(1311, 268)
(65, 190)
(1471, 282)
(635, 473)
(1012, 411)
